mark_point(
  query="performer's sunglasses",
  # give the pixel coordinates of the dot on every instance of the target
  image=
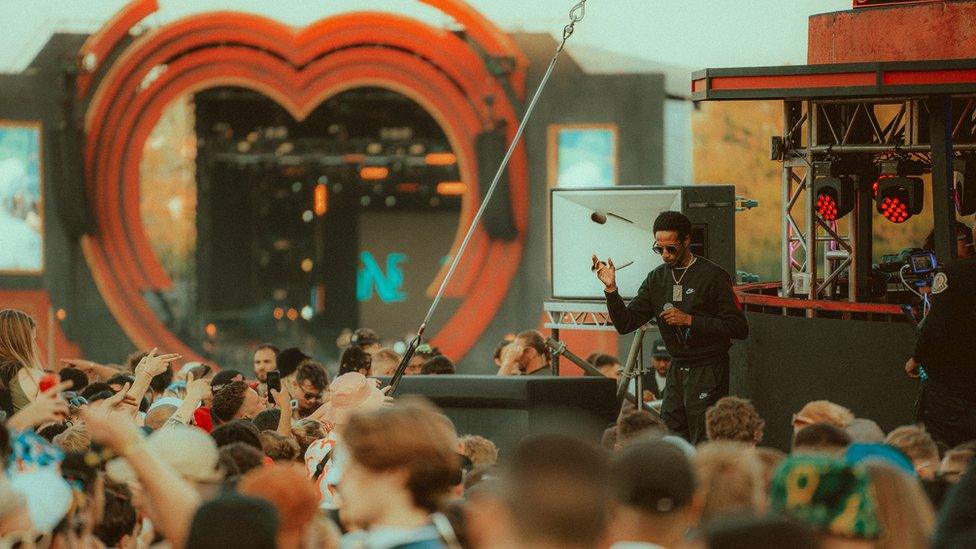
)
(671, 248)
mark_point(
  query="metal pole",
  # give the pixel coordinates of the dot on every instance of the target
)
(811, 210)
(892, 148)
(943, 208)
(793, 117)
(635, 347)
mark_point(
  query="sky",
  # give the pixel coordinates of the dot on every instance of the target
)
(689, 33)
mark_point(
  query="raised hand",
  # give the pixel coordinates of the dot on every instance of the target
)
(197, 390)
(86, 366)
(281, 398)
(606, 272)
(109, 425)
(510, 357)
(47, 407)
(153, 365)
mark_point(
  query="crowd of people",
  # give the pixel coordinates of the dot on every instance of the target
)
(158, 452)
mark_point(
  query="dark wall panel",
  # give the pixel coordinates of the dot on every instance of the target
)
(789, 361)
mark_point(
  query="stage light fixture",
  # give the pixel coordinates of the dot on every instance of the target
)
(408, 188)
(834, 193)
(899, 198)
(964, 185)
(320, 199)
(374, 173)
(441, 159)
(451, 188)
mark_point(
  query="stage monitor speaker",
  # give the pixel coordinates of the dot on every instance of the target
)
(498, 220)
(626, 233)
(505, 409)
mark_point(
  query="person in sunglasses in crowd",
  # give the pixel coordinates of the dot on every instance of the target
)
(698, 315)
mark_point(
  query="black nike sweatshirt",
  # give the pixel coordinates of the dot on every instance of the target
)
(716, 316)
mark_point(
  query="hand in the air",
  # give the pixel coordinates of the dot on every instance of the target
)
(606, 272)
(47, 407)
(676, 317)
(197, 390)
(510, 359)
(153, 365)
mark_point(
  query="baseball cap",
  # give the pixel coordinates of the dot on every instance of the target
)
(191, 452)
(658, 350)
(222, 378)
(289, 359)
(827, 493)
(363, 337)
(164, 401)
(859, 452)
(258, 520)
(671, 487)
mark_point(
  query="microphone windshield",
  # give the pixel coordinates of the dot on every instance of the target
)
(598, 217)
(668, 306)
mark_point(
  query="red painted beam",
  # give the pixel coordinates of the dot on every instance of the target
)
(747, 295)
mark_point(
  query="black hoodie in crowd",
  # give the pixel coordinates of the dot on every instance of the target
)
(706, 294)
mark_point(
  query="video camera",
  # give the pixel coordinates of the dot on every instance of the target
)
(922, 264)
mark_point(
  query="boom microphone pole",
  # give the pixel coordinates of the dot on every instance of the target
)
(575, 16)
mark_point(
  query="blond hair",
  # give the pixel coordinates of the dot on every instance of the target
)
(479, 450)
(824, 411)
(730, 478)
(914, 442)
(73, 439)
(18, 348)
(906, 516)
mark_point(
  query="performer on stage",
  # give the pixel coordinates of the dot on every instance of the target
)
(698, 315)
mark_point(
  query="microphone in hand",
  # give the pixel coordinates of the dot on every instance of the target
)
(679, 332)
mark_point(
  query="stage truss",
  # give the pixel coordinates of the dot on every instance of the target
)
(817, 263)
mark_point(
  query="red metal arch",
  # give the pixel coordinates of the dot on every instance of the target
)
(439, 75)
(489, 37)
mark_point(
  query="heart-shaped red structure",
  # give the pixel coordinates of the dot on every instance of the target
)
(299, 69)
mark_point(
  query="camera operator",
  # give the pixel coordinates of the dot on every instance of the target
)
(945, 356)
(964, 241)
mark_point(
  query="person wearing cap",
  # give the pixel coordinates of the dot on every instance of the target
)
(652, 510)
(655, 383)
(366, 339)
(661, 362)
(258, 521)
(830, 495)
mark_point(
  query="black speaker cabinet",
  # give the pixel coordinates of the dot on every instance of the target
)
(505, 409)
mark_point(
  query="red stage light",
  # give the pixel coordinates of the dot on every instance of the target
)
(899, 198)
(834, 192)
(877, 183)
(827, 206)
